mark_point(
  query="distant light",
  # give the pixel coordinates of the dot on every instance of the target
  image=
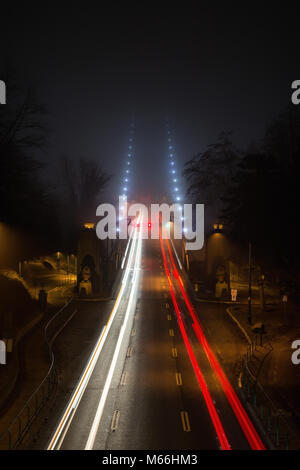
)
(171, 155)
(126, 180)
(178, 198)
(129, 155)
(218, 227)
(130, 147)
(149, 224)
(118, 230)
(89, 225)
(172, 163)
(185, 229)
(170, 147)
(128, 163)
(182, 219)
(176, 189)
(124, 189)
(175, 180)
(127, 171)
(173, 171)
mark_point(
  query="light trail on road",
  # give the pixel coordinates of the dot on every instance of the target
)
(66, 419)
(207, 397)
(241, 415)
(96, 422)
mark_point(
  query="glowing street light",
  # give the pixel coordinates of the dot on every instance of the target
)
(218, 228)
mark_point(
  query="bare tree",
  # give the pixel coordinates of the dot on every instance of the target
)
(83, 180)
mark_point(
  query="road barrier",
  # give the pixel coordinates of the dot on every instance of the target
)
(20, 425)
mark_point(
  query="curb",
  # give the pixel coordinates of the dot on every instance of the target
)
(239, 325)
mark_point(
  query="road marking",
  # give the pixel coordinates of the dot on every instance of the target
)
(123, 378)
(171, 332)
(185, 421)
(174, 352)
(129, 351)
(169, 317)
(240, 384)
(167, 306)
(115, 420)
(133, 332)
(178, 378)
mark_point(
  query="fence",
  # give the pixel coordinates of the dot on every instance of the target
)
(273, 420)
(16, 431)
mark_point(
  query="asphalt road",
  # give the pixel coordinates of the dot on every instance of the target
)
(153, 398)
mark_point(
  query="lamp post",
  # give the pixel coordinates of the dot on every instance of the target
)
(261, 291)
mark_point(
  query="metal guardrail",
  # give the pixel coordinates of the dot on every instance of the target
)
(17, 429)
(273, 421)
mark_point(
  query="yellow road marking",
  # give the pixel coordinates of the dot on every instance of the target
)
(174, 352)
(185, 421)
(124, 378)
(171, 332)
(167, 306)
(178, 378)
(169, 317)
(115, 420)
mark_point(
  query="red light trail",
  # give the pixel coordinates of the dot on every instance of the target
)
(241, 415)
(208, 400)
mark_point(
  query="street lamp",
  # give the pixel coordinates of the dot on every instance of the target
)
(218, 228)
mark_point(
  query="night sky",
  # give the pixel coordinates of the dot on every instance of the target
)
(210, 68)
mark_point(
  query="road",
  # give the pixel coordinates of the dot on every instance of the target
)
(152, 381)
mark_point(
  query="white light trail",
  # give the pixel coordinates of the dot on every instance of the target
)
(177, 257)
(60, 432)
(101, 405)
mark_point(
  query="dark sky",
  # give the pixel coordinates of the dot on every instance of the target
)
(211, 67)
